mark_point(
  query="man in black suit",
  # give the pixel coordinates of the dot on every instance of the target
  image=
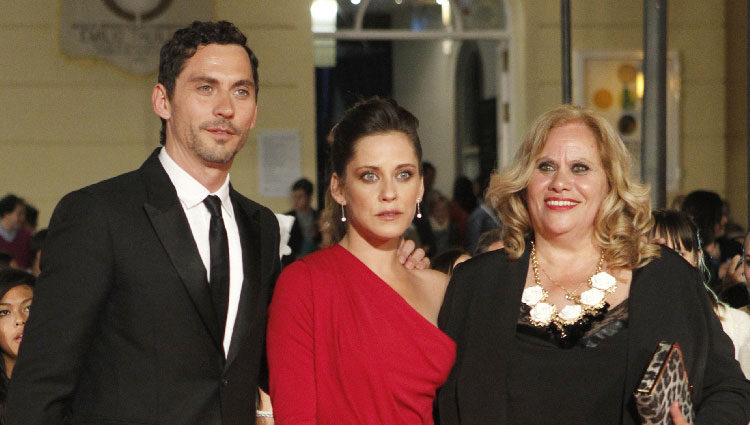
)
(151, 306)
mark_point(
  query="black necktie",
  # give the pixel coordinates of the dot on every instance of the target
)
(219, 247)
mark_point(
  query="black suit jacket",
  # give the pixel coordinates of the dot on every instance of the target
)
(123, 329)
(666, 302)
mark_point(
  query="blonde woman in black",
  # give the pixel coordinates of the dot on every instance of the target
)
(559, 326)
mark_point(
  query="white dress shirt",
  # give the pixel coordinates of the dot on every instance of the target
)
(191, 195)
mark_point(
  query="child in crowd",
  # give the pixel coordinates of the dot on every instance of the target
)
(15, 302)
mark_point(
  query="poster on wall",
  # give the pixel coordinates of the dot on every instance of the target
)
(127, 33)
(611, 83)
(279, 161)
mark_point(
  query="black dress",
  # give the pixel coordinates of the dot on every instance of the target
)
(667, 302)
(545, 380)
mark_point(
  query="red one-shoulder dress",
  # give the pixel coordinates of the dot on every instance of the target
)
(345, 348)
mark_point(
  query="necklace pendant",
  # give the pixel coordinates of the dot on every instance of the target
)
(572, 321)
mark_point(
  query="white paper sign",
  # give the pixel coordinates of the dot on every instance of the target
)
(279, 162)
(128, 33)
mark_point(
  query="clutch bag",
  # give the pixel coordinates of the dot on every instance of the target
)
(664, 381)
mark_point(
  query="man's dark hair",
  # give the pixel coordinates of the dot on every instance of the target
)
(463, 194)
(304, 185)
(488, 238)
(704, 207)
(5, 260)
(482, 183)
(10, 278)
(183, 45)
(32, 215)
(445, 262)
(37, 241)
(9, 203)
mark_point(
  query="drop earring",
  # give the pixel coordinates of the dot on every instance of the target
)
(419, 210)
(343, 214)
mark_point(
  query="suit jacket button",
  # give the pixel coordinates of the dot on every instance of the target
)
(224, 381)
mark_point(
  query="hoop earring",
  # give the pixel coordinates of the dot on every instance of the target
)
(419, 210)
(343, 214)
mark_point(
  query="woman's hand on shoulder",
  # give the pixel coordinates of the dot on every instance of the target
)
(411, 257)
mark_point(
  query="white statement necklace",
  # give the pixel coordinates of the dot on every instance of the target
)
(590, 304)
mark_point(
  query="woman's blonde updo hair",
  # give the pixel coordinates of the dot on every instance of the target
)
(625, 217)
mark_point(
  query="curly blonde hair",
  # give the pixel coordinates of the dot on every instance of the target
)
(624, 218)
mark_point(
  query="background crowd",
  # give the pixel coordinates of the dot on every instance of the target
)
(463, 226)
(551, 283)
(698, 226)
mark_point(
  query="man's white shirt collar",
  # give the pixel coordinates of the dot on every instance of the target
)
(189, 190)
(191, 195)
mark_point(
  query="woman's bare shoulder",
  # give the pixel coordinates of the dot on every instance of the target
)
(431, 281)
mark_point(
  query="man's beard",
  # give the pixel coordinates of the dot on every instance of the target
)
(214, 152)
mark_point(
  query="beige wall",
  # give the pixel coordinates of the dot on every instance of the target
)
(69, 122)
(696, 31)
(279, 33)
(429, 97)
(736, 108)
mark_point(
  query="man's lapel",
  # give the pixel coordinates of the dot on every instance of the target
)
(171, 226)
(253, 264)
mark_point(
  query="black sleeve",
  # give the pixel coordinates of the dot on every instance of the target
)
(77, 268)
(451, 320)
(263, 371)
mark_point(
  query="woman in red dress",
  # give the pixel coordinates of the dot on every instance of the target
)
(352, 336)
